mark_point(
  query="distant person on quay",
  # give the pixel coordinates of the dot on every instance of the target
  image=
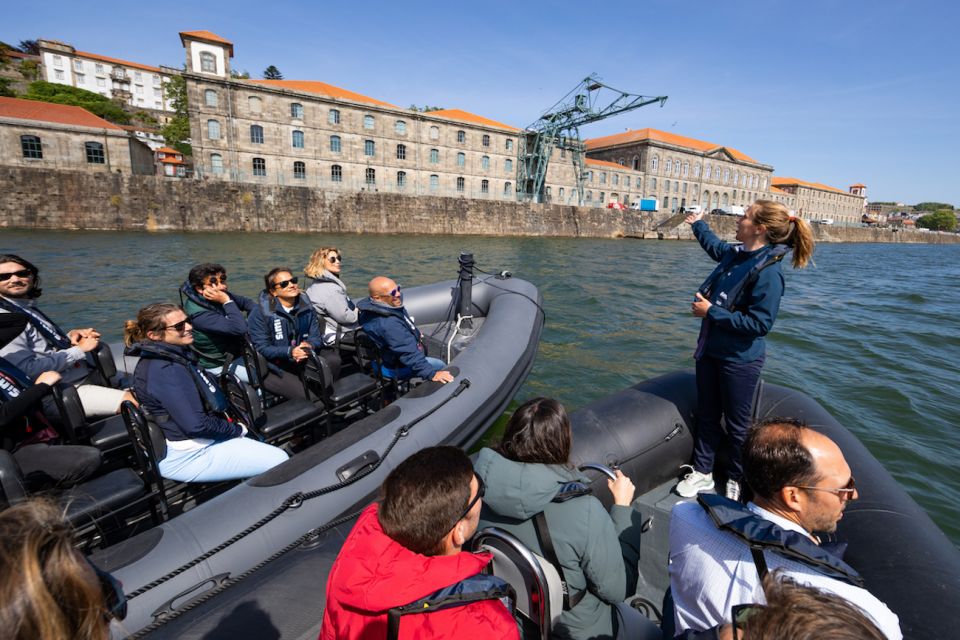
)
(337, 313)
(738, 302)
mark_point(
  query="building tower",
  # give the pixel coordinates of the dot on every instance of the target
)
(207, 53)
(859, 190)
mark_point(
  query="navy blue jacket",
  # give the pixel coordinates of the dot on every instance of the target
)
(393, 331)
(275, 332)
(218, 329)
(737, 335)
(168, 388)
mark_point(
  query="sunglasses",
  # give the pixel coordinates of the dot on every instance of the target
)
(481, 489)
(179, 327)
(214, 280)
(23, 273)
(335, 258)
(739, 615)
(283, 284)
(393, 293)
(844, 493)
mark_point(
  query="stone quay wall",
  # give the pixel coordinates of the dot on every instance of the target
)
(33, 198)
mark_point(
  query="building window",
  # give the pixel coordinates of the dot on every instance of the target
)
(603, 197)
(708, 173)
(485, 162)
(434, 156)
(508, 166)
(296, 111)
(81, 78)
(461, 136)
(94, 152)
(216, 164)
(101, 82)
(485, 140)
(461, 184)
(507, 188)
(668, 166)
(137, 76)
(736, 178)
(509, 144)
(78, 65)
(548, 192)
(213, 129)
(208, 62)
(696, 171)
(254, 104)
(156, 81)
(333, 116)
(371, 176)
(616, 179)
(461, 159)
(726, 176)
(157, 93)
(58, 74)
(654, 163)
(400, 127)
(256, 134)
(434, 182)
(589, 196)
(686, 169)
(368, 122)
(298, 139)
(401, 179)
(684, 189)
(603, 177)
(369, 148)
(259, 167)
(57, 61)
(336, 173)
(401, 152)
(653, 184)
(635, 165)
(484, 186)
(666, 185)
(434, 133)
(299, 171)
(98, 68)
(560, 192)
(335, 144)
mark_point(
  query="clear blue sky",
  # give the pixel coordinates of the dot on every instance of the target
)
(832, 91)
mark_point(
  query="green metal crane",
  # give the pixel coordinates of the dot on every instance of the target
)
(559, 128)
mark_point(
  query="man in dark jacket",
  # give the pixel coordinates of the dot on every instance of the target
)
(384, 318)
(218, 319)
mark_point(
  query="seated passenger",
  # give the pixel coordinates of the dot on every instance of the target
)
(43, 346)
(204, 444)
(801, 484)
(284, 328)
(328, 295)
(218, 318)
(25, 430)
(384, 318)
(409, 548)
(532, 486)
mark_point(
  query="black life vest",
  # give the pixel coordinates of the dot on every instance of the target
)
(47, 327)
(13, 382)
(212, 397)
(730, 298)
(567, 491)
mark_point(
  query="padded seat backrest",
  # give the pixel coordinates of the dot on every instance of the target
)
(255, 364)
(536, 581)
(11, 480)
(245, 400)
(72, 416)
(106, 365)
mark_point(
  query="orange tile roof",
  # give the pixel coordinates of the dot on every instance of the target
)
(321, 88)
(125, 63)
(776, 181)
(209, 36)
(466, 116)
(859, 185)
(605, 163)
(172, 161)
(49, 112)
(774, 189)
(167, 150)
(638, 135)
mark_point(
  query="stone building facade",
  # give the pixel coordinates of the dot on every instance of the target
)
(819, 202)
(54, 136)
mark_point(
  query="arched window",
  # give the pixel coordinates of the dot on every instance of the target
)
(213, 129)
(434, 182)
(736, 178)
(635, 164)
(94, 151)
(763, 184)
(706, 200)
(461, 159)
(616, 178)
(333, 116)
(726, 200)
(256, 134)
(726, 176)
(368, 122)
(210, 98)
(296, 110)
(509, 144)
(508, 166)
(336, 173)
(696, 170)
(709, 175)
(461, 184)
(668, 166)
(335, 144)
(434, 156)
(621, 162)
(507, 188)
(654, 163)
(560, 193)
(369, 148)
(259, 167)
(461, 136)
(401, 152)
(216, 163)
(686, 169)
(485, 140)
(485, 162)
(208, 62)
(484, 186)
(434, 133)
(401, 127)
(666, 185)
(716, 199)
(603, 177)
(299, 171)
(371, 176)
(401, 179)
(653, 184)
(298, 139)
(255, 104)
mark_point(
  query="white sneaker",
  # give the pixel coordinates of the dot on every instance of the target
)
(733, 490)
(694, 483)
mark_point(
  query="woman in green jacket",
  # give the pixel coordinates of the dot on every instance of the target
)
(598, 551)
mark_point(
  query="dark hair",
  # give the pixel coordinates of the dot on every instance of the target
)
(268, 284)
(423, 497)
(35, 290)
(199, 274)
(538, 432)
(799, 612)
(774, 457)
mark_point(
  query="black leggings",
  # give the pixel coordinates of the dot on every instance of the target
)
(47, 466)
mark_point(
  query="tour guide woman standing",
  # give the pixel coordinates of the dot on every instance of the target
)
(738, 304)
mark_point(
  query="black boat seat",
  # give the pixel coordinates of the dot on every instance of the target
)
(287, 416)
(108, 434)
(96, 497)
(351, 388)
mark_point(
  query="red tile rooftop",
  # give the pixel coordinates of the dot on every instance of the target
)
(466, 116)
(321, 88)
(781, 182)
(209, 36)
(48, 112)
(117, 61)
(638, 135)
(605, 163)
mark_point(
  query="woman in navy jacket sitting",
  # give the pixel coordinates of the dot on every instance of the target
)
(204, 444)
(284, 328)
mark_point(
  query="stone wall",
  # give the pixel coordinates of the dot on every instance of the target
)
(43, 199)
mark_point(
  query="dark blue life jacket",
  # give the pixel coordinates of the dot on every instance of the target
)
(763, 535)
(14, 382)
(212, 397)
(47, 327)
(731, 297)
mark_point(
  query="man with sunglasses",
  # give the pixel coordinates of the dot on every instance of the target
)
(384, 318)
(404, 564)
(720, 550)
(44, 346)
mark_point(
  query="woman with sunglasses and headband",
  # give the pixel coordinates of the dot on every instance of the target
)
(284, 328)
(328, 294)
(532, 487)
(204, 444)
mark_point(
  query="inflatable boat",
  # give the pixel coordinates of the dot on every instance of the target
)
(645, 429)
(488, 331)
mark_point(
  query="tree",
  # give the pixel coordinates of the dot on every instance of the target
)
(932, 206)
(943, 220)
(30, 46)
(6, 90)
(272, 73)
(239, 75)
(177, 131)
(424, 108)
(92, 102)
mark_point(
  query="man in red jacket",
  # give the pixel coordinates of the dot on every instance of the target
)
(407, 550)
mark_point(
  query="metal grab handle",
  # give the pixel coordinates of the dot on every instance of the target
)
(602, 468)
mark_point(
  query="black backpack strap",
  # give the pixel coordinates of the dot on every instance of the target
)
(759, 561)
(550, 554)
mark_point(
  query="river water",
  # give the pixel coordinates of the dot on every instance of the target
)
(871, 331)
